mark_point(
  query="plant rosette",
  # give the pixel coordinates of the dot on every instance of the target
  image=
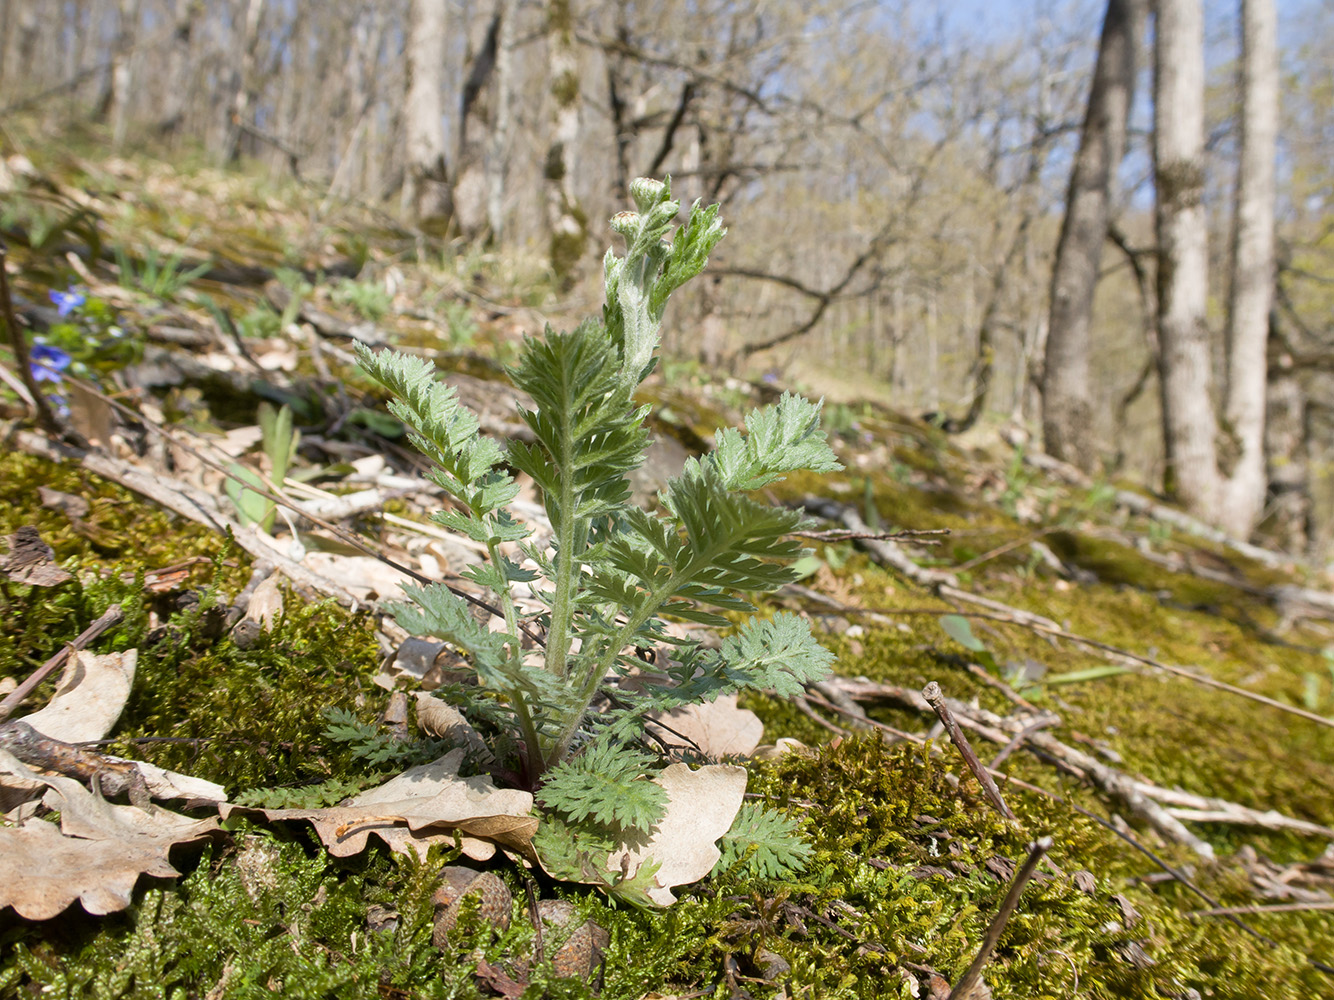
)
(615, 811)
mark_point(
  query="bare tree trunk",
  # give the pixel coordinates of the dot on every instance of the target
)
(122, 70)
(359, 74)
(242, 81)
(1189, 424)
(566, 222)
(426, 195)
(1252, 266)
(476, 118)
(177, 86)
(1066, 419)
(498, 148)
(1286, 450)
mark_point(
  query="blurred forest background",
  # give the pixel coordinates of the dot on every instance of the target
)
(895, 175)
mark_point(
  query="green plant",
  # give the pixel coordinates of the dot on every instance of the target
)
(369, 299)
(460, 323)
(260, 323)
(280, 440)
(157, 275)
(613, 570)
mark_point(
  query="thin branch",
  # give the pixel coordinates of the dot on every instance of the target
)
(936, 699)
(963, 989)
(12, 701)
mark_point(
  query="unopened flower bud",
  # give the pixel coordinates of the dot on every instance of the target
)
(647, 192)
(625, 223)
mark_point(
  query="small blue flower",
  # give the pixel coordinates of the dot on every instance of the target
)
(62, 408)
(67, 301)
(770, 378)
(48, 362)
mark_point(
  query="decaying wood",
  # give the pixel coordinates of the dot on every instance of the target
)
(44, 753)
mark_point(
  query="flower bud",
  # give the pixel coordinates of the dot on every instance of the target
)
(625, 223)
(647, 192)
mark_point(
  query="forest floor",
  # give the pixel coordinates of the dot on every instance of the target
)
(1157, 701)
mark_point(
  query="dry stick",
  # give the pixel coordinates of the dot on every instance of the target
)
(936, 699)
(1176, 874)
(45, 418)
(1228, 911)
(110, 617)
(1025, 619)
(963, 989)
(159, 487)
(1019, 739)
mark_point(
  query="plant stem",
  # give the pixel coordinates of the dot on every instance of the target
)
(46, 420)
(571, 537)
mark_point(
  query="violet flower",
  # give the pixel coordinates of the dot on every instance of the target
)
(67, 301)
(48, 362)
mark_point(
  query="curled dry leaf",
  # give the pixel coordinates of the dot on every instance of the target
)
(266, 603)
(89, 698)
(701, 807)
(443, 721)
(422, 806)
(95, 856)
(31, 561)
(718, 728)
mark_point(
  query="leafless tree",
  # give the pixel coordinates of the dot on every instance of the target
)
(426, 196)
(1218, 471)
(1066, 396)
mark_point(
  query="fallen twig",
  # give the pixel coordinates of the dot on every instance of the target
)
(963, 989)
(110, 617)
(936, 699)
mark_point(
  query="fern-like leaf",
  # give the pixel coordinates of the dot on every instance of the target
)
(766, 842)
(606, 784)
(779, 439)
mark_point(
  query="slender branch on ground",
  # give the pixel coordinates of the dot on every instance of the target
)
(110, 617)
(963, 989)
(936, 699)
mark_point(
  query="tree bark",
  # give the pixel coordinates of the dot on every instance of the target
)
(177, 87)
(122, 70)
(498, 147)
(1189, 424)
(426, 195)
(1251, 294)
(567, 223)
(243, 79)
(476, 121)
(1066, 418)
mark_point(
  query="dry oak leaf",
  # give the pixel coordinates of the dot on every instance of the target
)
(96, 855)
(422, 806)
(31, 560)
(718, 728)
(701, 807)
(92, 691)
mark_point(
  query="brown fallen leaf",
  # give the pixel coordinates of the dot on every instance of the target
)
(718, 728)
(701, 807)
(421, 806)
(89, 698)
(95, 856)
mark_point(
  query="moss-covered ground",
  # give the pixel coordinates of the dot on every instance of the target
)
(909, 863)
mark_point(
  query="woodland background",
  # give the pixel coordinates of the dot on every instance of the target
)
(895, 175)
